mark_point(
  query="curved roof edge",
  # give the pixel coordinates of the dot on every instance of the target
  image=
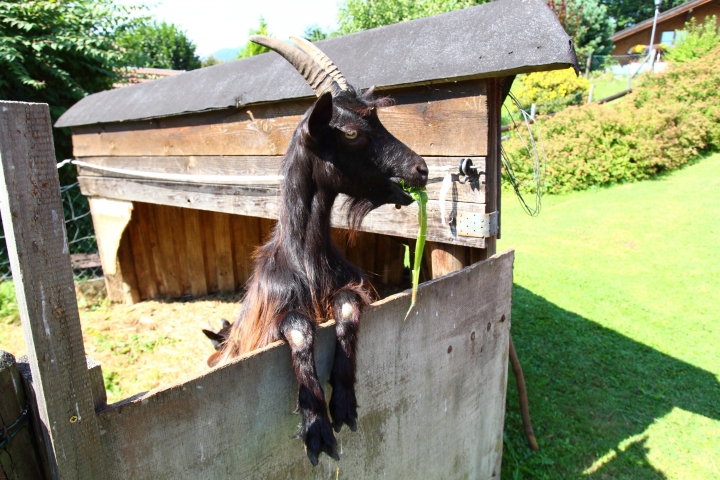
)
(495, 39)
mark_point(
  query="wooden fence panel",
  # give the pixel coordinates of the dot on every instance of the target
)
(431, 391)
(32, 215)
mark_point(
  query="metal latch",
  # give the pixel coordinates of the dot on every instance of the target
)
(479, 225)
(467, 171)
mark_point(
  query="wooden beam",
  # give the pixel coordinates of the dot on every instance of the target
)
(263, 202)
(32, 215)
(257, 165)
(443, 371)
(447, 119)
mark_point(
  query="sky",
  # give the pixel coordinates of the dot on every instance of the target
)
(218, 24)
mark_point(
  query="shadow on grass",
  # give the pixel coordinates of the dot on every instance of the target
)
(592, 389)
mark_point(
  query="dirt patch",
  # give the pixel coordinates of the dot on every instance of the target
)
(145, 345)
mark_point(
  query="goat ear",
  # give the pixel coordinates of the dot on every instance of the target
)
(214, 336)
(321, 115)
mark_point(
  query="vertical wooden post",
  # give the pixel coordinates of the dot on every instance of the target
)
(110, 218)
(588, 65)
(32, 215)
(492, 164)
(19, 459)
(447, 258)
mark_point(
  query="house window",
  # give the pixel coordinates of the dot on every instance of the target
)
(667, 38)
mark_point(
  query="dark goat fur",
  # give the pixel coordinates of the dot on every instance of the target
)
(300, 277)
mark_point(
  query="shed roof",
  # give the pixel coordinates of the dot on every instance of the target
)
(495, 39)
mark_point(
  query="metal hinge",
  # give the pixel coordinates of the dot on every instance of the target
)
(477, 225)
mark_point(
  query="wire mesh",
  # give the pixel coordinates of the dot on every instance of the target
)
(530, 145)
(84, 256)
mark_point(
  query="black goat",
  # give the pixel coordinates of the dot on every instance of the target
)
(300, 277)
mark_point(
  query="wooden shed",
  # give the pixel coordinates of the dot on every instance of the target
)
(158, 158)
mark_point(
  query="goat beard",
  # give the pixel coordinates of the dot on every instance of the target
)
(357, 210)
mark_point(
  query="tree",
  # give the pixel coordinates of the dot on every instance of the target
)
(314, 33)
(158, 45)
(629, 12)
(588, 24)
(210, 61)
(57, 52)
(697, 40)
(586, 21)
(252, 48)
(358, 15)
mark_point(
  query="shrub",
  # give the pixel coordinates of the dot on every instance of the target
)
(550, 91)
(9, 312)
(696, 41)
(663, 125)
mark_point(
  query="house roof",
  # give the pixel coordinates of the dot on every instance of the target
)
(495, 39)
(645, 24)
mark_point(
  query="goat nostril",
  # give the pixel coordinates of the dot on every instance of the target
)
(422, 171)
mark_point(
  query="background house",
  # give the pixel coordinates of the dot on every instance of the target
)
(668, 21)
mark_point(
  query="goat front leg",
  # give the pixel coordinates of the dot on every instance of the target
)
(343, 405)
(315, 431)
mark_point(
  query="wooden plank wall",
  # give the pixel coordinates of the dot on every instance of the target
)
(431, 391)
(172, 251)
(448, 119)
(264, 201)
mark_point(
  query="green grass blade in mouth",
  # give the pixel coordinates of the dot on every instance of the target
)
(420, 196)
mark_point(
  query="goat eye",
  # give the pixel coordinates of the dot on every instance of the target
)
(351, 134)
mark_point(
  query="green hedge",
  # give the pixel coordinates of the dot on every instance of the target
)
(669, 120)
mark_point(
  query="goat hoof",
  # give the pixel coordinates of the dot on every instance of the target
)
(318, 438)
(350, 422)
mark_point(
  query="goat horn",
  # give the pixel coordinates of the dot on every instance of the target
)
(321, 59)
(318, 79)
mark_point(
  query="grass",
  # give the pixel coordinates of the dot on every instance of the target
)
(140, 347)
(615, 321)
(608, 84)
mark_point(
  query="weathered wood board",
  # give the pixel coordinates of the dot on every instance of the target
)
(32, 216)
(431, 391)
(257, 165)
(447, 119)
(264, 202)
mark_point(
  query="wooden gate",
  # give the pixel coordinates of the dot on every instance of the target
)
(431, 389)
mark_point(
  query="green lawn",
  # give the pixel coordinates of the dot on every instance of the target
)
(608, 84)
(616, 323)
